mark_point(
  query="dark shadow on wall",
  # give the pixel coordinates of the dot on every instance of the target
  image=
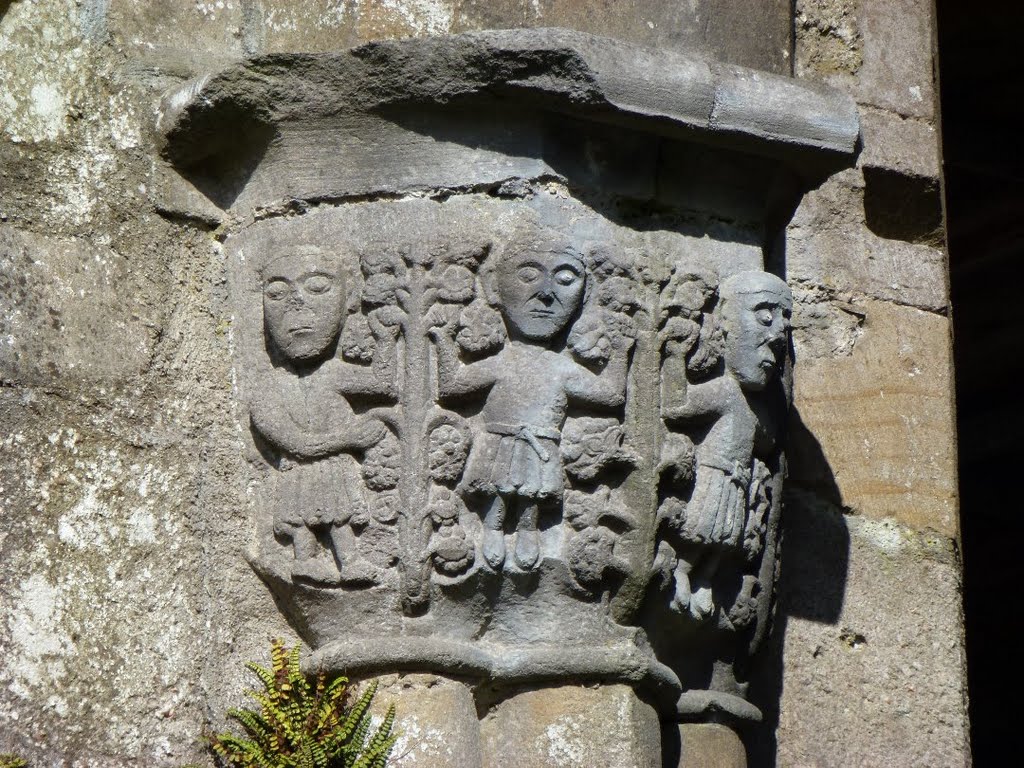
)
(898, 206)
(814, 562)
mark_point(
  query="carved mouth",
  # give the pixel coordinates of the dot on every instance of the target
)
(300, 330)
(541, 313)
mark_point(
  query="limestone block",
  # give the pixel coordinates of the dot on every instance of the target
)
(756, 36)
(878, 423)
(572, 727)
(897, 73)
(879, 49)
(437, 721)
(828, 244)
(908, 146)
(45, 60)
(64, 307)
(829, 43)
(876, 679)
(100, 590)
(710, 745)
(167, 32)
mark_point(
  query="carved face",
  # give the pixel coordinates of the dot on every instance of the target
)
(540, 292)
(303, 305)
(757, 307)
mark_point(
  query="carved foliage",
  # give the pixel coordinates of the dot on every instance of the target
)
(466, 368)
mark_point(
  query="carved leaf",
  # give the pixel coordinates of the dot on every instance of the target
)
(381, 290)
(590, 554)
(481, 328)
(618, 294)
(591, 445)
(454, 283)
(449, 447)
(382, 464)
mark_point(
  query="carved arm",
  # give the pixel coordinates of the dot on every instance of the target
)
(607, 388)
(698, 400)
(453, 376)
(280, 430)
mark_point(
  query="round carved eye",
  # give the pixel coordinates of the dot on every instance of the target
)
(566, 276)
(276, 290)
(528, 274)
(765, 316)
(318, 284)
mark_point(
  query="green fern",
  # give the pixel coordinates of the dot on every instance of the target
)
(303, 724)
(12, 761)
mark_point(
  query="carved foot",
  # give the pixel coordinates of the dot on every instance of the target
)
(494, 548)
(359, 572)
(680, 602)
(527, 549)
(320, 570)
(701, 603)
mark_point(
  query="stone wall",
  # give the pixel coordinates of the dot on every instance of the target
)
(873, 673)
(125, 492)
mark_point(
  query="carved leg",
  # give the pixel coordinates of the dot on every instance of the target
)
(494, 534)
(304, 544)
(681, 599)
(527, 539)
(354, 568)
(312, 561)
(702, 603)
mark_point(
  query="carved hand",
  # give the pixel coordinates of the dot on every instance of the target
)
(385, 323)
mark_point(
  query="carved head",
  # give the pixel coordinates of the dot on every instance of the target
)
(303, 303)
(540, 283)
(756, 311)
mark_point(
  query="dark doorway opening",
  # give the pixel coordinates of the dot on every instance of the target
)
(981, 79)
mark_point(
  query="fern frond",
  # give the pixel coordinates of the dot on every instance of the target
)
(303, 722)
(381, 743)
(265, 675)
(255, 724)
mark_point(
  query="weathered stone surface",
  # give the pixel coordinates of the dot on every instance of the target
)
(758, 36)
(63, 303)
(437, 721)
(603, 726)
(826, 323)
(905, 145)
(710, 746)
(828, 40)
(879, 49)
(811, 128)
(880, 682)
(47, 65)
(880, 419)
(898, 70)
(97, 595)
(829, 245)
(161, 31)
(127, 487)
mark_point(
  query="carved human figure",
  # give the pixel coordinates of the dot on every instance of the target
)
(301, 410)
(514, 465)
(744, 411)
